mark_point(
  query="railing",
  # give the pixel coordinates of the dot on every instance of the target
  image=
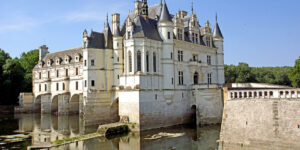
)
(204, 86)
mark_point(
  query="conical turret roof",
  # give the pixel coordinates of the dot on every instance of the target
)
(217, 32)
(165, 15)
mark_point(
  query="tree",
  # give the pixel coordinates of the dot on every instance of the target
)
(28, 61)
(244, 73)
(294, 74)
(13, 75)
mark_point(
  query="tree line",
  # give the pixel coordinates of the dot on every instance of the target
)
(242, 73)
(16, 75)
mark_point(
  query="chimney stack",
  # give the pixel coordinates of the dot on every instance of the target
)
(43, 51)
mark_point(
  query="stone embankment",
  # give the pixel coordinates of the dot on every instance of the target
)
(105, 131)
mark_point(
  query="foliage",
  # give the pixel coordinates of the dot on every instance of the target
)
(294, 74)
(245, 74)
(15, 75)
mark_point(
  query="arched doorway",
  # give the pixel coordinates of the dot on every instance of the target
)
(74, 104)
(196, 77)
(54, 105)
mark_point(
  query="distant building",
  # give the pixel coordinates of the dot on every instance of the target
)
(155, 70)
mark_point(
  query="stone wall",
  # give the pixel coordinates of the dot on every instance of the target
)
(248, 122)
(209, 104)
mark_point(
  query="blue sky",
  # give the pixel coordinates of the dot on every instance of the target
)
(258, 32)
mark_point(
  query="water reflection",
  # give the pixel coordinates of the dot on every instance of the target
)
(48, 128)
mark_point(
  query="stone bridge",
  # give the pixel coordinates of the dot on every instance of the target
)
(65, 103)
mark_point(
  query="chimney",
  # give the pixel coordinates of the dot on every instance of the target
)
(43, 51)
(182, 13)
(115, 23)
(137, 7)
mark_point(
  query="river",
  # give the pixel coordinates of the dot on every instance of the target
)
(49, 128)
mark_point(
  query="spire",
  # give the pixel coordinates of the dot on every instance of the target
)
(192, 7)
(165, 15)
(106, 20)
(217, 32)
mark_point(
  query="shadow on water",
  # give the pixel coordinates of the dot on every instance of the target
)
(49, 128)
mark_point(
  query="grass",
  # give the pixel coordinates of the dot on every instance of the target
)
(58, 142)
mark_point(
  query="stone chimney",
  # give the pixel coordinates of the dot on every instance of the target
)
(137, 7)
(43, 51)
(182, 13)
(115, 23)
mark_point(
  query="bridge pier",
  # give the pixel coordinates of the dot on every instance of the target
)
(46, 104)
(63, 104)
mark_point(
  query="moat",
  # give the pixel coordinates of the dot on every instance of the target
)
(48, 128)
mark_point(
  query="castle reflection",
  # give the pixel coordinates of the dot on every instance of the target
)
(46, 129)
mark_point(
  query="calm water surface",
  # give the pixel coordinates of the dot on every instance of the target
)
(48, 128)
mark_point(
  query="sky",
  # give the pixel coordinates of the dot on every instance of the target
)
(258, 32)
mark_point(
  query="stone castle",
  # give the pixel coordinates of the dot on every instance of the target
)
(155, 70)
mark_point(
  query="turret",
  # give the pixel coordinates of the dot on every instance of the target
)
(218, 42)
(43, 51)
(85, 38)
(108, 35)
(165, 24)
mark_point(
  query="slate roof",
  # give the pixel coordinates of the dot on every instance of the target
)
(217, 32)
(145, 28)
(165, 15)
(96, 40)
(61, 55)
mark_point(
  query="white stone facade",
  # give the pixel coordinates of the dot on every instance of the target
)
(148, 67)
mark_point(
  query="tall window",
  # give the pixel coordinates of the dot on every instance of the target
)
(179, 34)
(45, 87)
(57, 73)
(84, 62)
(92, 62)
(171, 55)
(64, 86)
(147, 61)
(130, 61)
(180, 77)
(40, 87)
(40, 75)
(139, 61)
(208, 60)
(154, 62)
(67, 72)
(208, 42)
(93, 83)
(196, 36)
(77, 71)
(196, 77)
(195, 57)
(57, 86)
(48, 74)
(85, 83)
(129, 34)
(180, 55)
(209, 78)
(76, 85)
(193, 37)
(169, 35)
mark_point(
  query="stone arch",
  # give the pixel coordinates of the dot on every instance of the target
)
(74, 104)
(54, 104)
(37, 103)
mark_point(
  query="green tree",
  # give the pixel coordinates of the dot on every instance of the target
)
(244, 73)
(13, 75)
(28, 61)
(294, 74)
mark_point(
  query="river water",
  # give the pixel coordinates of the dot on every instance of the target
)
(48, 128)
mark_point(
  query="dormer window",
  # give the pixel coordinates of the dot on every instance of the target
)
(67, 59)
(41, 63)
(129, 35)
(58, 61)
(208, 42)
(77, 57)
(49, 62)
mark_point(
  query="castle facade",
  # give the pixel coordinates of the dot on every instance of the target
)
(154, 70)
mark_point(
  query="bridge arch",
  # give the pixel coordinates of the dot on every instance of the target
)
(74, 104)
(54, 104)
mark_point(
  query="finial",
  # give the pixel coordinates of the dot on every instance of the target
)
(216, 17)
(106, 17)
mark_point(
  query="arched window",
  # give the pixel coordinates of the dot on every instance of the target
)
(196, 77)
(154, 62)
(147, 61)
(130, 61)
(139, 61)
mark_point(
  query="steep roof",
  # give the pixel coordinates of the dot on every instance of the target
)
(165, 15)
(145, 28)
(108, 36)
(96, 40)
(217, 32)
